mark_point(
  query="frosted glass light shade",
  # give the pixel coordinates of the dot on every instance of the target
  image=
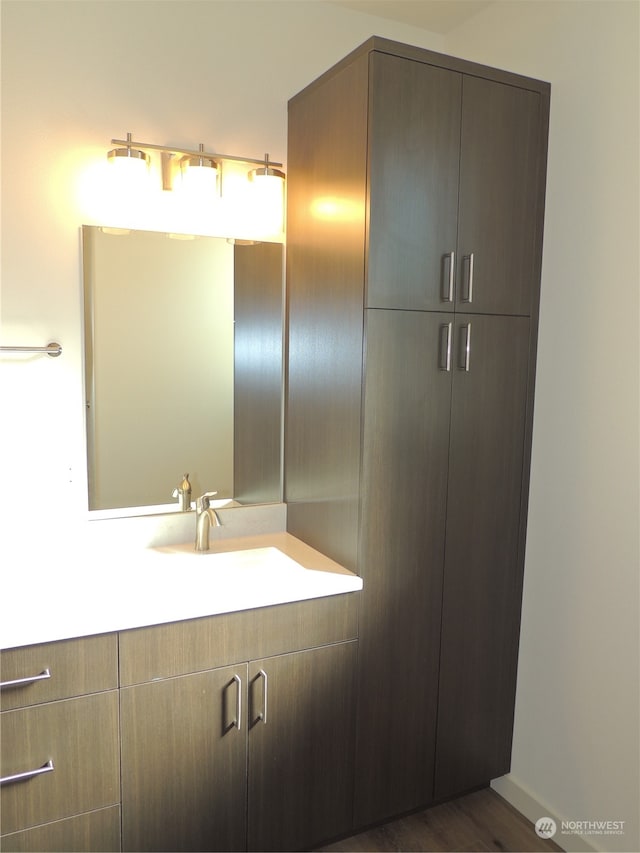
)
(200, 178)
(130, 169)
(267, 199)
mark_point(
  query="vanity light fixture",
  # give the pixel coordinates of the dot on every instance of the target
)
(267, 171)
(267, 190)
(188, 161)
(199, 174)
(128, 157)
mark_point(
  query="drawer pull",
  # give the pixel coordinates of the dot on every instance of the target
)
(30, 679)
(29, 774)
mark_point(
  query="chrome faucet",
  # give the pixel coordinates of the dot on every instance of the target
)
(206, 518)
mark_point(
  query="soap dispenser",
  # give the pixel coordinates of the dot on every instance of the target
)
(183, 493)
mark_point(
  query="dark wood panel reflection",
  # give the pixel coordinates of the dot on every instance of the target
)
(258, 290)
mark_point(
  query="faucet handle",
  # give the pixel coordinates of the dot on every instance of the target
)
(203, 501)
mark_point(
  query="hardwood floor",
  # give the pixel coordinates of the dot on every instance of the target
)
(481, 821)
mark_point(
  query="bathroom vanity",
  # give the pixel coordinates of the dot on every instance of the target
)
(229, 731)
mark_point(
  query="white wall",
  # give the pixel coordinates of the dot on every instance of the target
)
(576, 745)
(76, 74)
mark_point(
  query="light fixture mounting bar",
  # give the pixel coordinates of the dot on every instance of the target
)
(209, 155)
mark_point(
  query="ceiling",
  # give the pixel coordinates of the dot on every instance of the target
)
(439, 16)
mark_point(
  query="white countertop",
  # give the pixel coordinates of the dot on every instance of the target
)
(58, 594)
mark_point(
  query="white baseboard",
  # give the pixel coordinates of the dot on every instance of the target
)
(522, 799)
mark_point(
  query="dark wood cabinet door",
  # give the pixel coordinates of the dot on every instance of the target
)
(404, 496)
(184, 763)
(302, 719)
(500, 210)
(414, 130)
(483, 573)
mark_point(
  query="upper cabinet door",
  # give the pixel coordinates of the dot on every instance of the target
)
(497, 263)
(414, 141)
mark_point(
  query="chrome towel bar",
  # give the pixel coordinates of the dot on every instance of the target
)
(53, 349)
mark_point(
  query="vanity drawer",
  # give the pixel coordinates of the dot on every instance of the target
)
(80, 739)
(199, 644)
(97, 830)
(75, 667)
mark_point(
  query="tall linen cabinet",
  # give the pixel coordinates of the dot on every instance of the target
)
(414, 238)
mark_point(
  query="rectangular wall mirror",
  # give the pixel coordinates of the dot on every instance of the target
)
(183, 368)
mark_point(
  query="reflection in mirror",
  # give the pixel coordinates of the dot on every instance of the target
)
(183, 368)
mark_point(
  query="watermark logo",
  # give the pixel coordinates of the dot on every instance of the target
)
(546, 827)
(592, 827)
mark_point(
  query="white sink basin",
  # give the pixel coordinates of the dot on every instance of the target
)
(268, 561)
(238, 578)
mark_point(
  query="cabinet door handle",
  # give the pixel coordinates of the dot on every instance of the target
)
(238, 720)
(445, 346)
(30, 679)
(448, 260)
(465, 352)
(265, 692)
(467, 292)
(28, 774)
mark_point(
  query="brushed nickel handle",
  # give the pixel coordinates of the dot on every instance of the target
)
(468, 279)
(445, 346)
(238, 720)
(30, 679)
(265, 692)
(28, 774)
(447, 292)
(466, 348)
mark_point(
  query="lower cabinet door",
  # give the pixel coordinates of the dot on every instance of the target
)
(184, 754)
(483, 564)
(98, 830)
(301, 743)
(404, 495)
